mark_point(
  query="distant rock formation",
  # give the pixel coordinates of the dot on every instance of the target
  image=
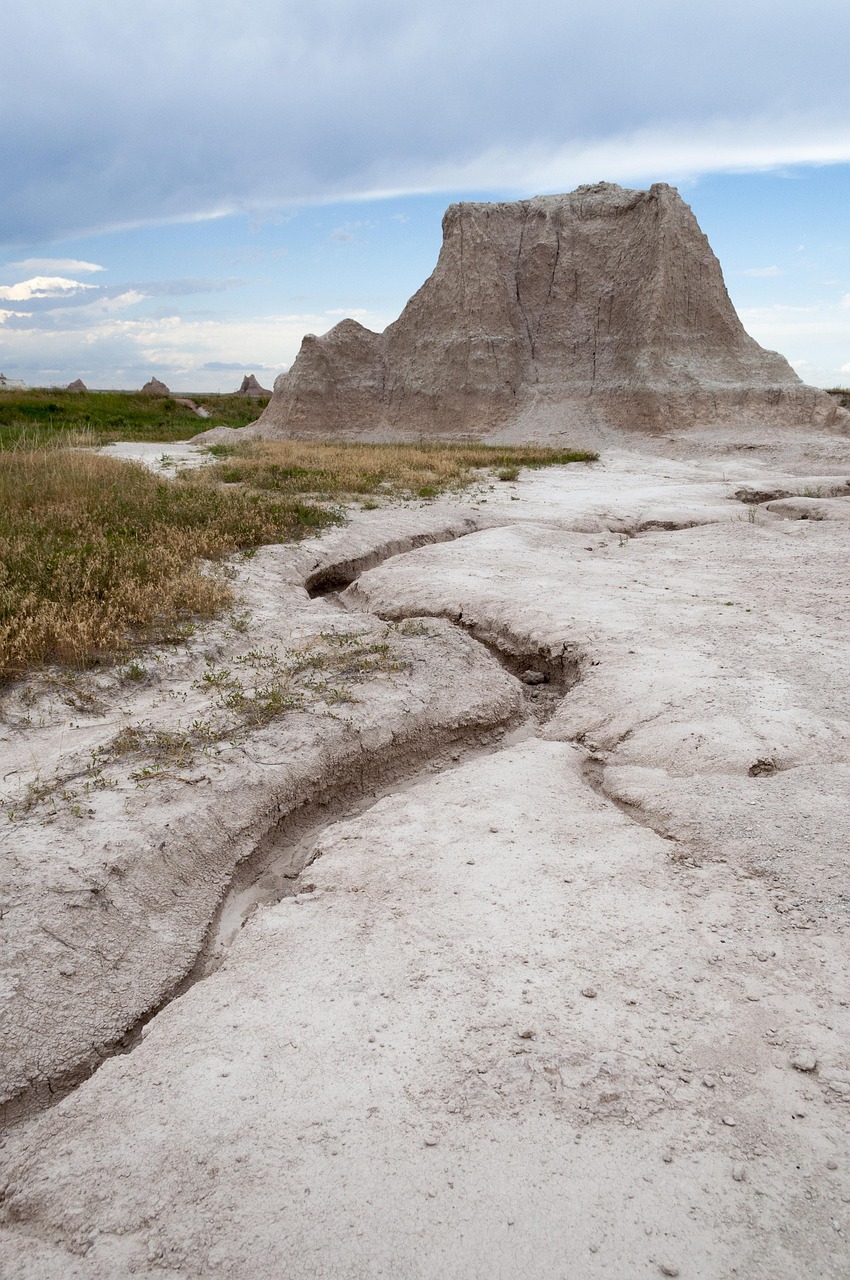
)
(155, 388)
(251, 387)
(76, 385)
(604, 308)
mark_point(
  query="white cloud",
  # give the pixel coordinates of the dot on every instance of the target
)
(115, 350)
(761, 271)
(75, 265)
(815, 339)
(42, 287)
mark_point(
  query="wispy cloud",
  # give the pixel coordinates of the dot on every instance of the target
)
(761, 271)
(66, 265)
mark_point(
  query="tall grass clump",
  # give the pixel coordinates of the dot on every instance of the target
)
(96, 553)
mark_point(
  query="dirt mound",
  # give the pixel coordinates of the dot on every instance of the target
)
(251, 387)
(76, 385)
(602, 308)
(155, 388)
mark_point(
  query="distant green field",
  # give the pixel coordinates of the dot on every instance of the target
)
(45, 416)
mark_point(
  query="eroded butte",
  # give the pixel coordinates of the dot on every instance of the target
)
(532, 961)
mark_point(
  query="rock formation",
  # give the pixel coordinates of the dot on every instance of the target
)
(76, 385)
(251, 387)
(155, 388)
(604, 308)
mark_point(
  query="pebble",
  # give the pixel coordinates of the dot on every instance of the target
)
(709, 1082)
(832, 1165)
(668, 1269)
(494, 829)
(739, 1172)
(804, 1060)
(431, 1142)
(590, 992)
(730, 1120)
(528, 1034)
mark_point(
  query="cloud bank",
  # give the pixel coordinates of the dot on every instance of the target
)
(117, 115)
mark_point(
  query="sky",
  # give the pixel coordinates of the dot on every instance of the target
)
(187, 187)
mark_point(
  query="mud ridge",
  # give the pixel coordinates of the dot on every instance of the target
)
(348, 791)
(593, 773)
(336, 574)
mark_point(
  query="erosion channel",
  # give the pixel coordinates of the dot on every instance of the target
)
(516, 946)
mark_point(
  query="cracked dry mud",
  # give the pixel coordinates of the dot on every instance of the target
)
(467, 977)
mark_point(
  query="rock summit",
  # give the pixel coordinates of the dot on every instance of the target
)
(251, 387)
(155, 388)
(603, 308)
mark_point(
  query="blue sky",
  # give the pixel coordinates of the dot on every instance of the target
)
(190, 187)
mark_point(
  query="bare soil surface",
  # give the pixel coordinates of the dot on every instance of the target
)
(515, 946)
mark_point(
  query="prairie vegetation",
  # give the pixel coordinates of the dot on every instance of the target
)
(98, 555)
(45, 416)
(396, 470)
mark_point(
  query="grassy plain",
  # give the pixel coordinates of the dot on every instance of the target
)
(44, 416)
(98, 556)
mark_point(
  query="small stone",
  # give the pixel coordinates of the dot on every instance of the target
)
(494, 829)
(730, 1120)
(832, 1165)
(431, 1142)
(470, 862)
(589, 992)
(739, 1172)
(668, 1269)
(534, 677)
(528, 1034)
(709, 1082)
(804, 1060)
(667, 1157)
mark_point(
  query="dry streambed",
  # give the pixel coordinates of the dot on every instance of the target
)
(573, 1004)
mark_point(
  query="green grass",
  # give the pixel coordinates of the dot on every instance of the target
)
(47, 416)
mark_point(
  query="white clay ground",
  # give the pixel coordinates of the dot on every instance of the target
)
(569, 999)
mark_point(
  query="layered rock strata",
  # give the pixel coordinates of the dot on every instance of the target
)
(604, 308)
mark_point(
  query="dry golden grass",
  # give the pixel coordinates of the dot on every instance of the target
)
(95, 552)
(422, 470)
